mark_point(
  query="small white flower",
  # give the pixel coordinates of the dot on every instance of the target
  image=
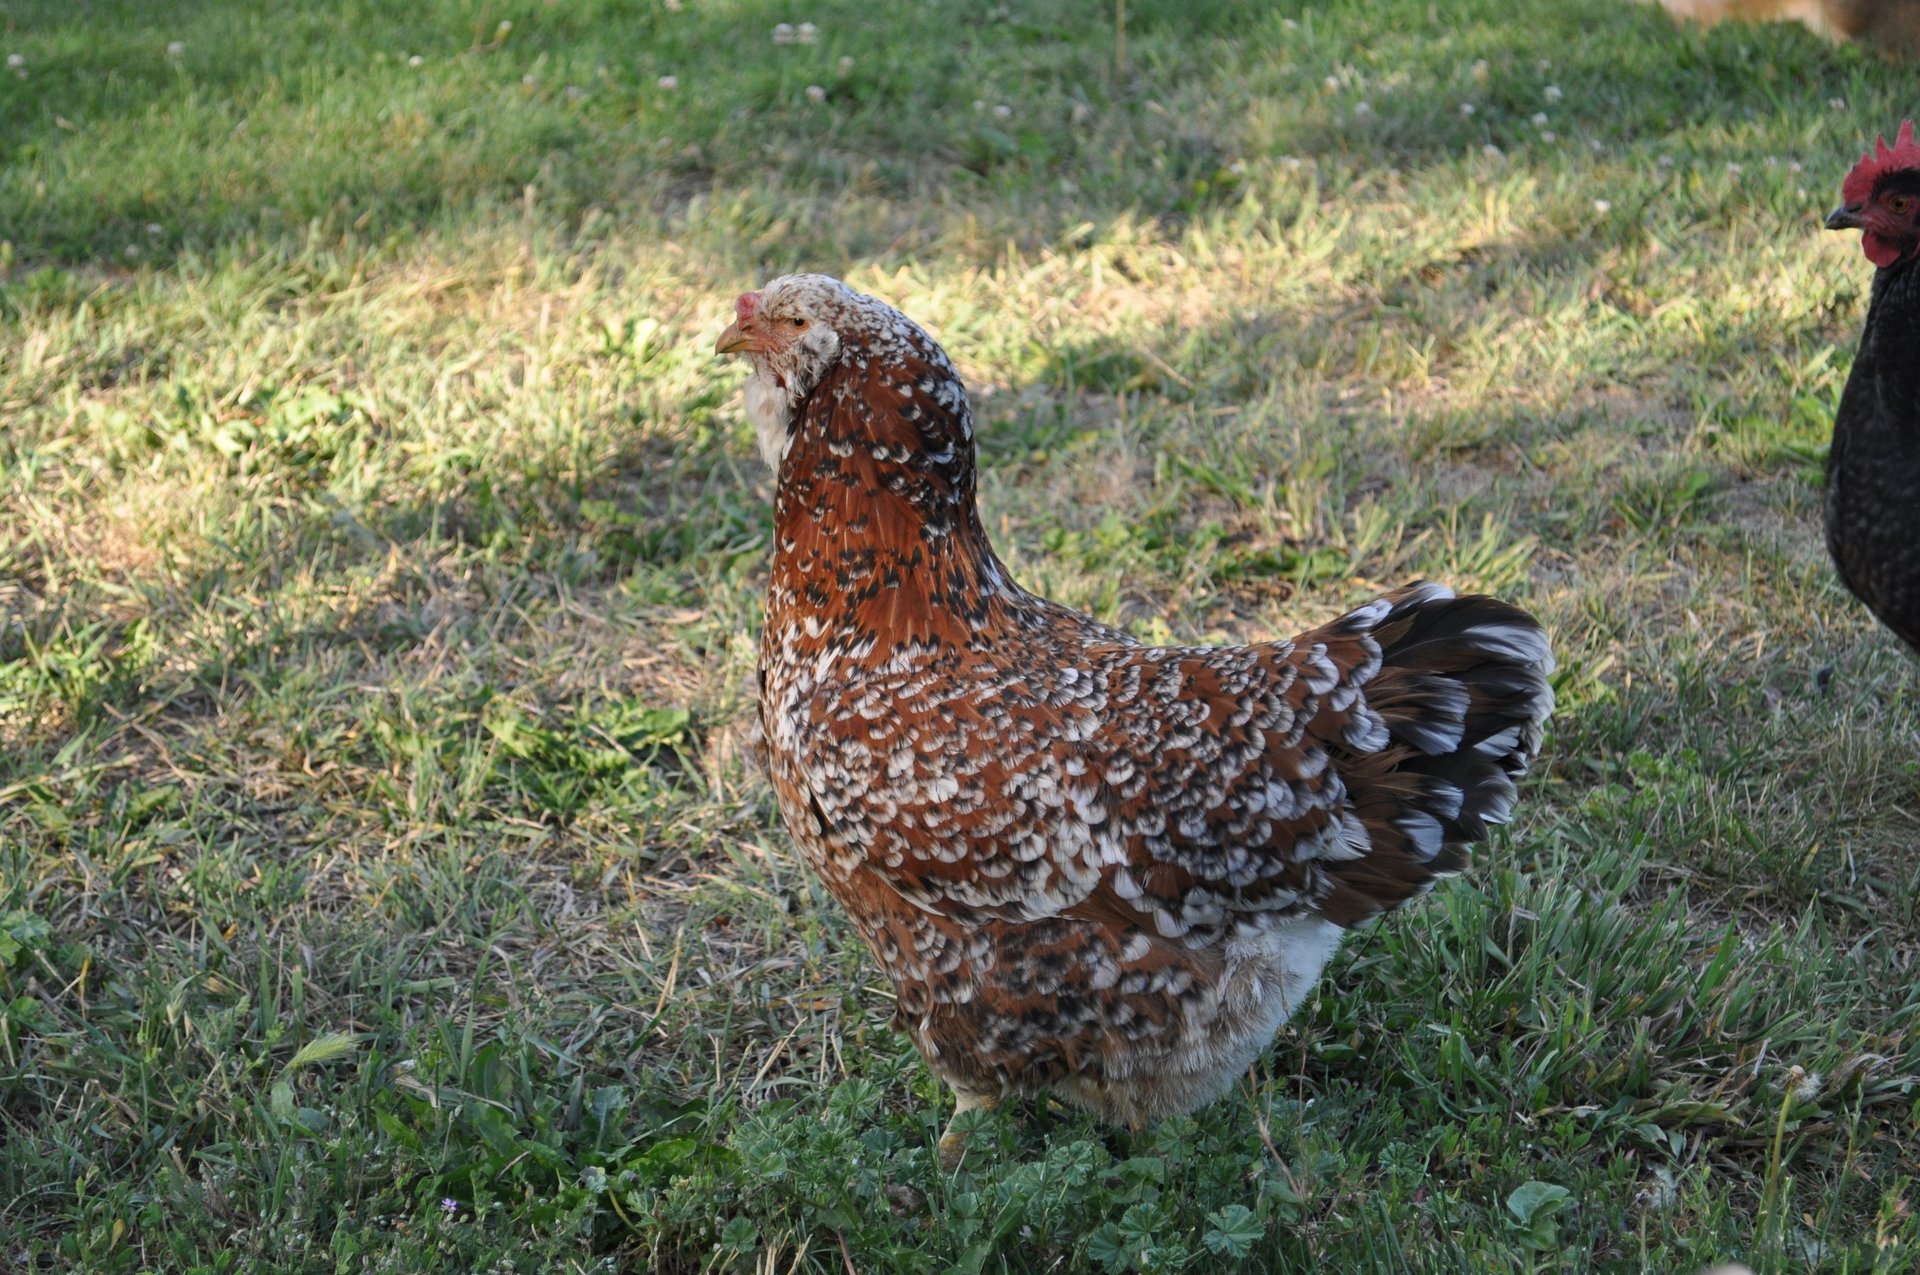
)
(783, 33)
(1491, 151)
(1289, 24)
(1660, 1194)
(846, 66)
(1733, 170)
(1480, 69)
(978, 106)
(1801, 193)
(1080, 113)
(1332, 84)
(1539, 119)
(1363, 109)
(415, 60)
(132, 251)
(15, 60)
(502, 27)
(154, 228)
(815, 93)
(1553, 93)
(1808, 1086)
(176, 47)
(1837, 103)
(575, 92)
(1549, 136)
(1466, 108)
(1238, 168)
(668, 82)
(673, 6)
(526, 81)
(1003, 112)
(808, 33)
(1603, 206)
(1793, 166)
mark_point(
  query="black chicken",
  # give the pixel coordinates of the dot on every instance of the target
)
(1873, 472)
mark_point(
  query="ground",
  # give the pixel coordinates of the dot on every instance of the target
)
(385, 880)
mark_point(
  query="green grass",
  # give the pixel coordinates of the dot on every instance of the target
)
(385, 883)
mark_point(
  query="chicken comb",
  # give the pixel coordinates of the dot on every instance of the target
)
(1904, 153)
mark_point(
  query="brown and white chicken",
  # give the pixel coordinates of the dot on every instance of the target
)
(1090, 866)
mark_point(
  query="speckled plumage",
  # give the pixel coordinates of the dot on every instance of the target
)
(1873, 469)
(1088, 865)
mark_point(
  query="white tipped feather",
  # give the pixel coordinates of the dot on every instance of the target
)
(1501, 741)
(1447, 798)
(1498, 806)
(1422, 830)
(1424, 592)
(1434, 738)
(1522, 645)
(1366, 617)
(1365, 732)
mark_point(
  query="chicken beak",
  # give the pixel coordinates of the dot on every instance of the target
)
(733, 341)
(1846, 217)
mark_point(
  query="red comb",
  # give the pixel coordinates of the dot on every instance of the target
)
(750, 301)
(1904, 153)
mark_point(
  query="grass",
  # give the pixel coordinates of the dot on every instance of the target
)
(385, 883)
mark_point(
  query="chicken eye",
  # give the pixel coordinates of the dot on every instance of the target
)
(1900, 205)
(798, 323)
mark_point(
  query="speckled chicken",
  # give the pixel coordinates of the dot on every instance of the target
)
(1873, 471)
(1090, 866)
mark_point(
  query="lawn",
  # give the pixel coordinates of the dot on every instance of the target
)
(387, 883)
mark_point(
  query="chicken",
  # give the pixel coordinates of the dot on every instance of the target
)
(1873, 471)
(1888, 26)
(1090, 866)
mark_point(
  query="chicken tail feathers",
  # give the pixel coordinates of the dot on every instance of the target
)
(1462, 690)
